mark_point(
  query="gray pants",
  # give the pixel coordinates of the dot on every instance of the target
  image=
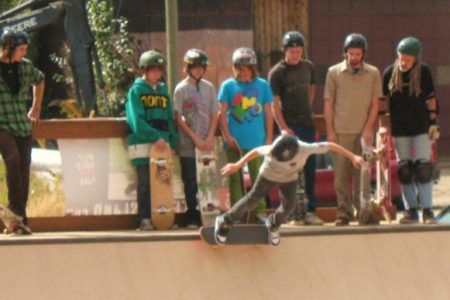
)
(261, 188)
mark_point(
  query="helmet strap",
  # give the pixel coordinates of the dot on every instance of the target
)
(197, 80)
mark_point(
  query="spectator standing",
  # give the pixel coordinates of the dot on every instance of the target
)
(352, 92)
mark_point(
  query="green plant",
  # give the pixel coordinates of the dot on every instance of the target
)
(115, 53)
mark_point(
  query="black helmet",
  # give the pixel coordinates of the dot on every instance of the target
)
(196, 57)
(151, 58)
(284, 148)
(14, 38)
(355, 40)
(244, 56)
(293, 39)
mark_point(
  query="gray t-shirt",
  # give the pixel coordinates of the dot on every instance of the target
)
(196, 107)
(292, 84)
(277, 171)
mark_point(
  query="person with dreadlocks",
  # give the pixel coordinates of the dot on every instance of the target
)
(411, 103)
(283, 160)
(196, 113)
(17, 76)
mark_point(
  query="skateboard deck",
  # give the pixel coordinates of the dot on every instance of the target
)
(383, 174)
(213, 192)
(238, 235)
(365, 195)
(162, 207)
(296, 218)
(12, 222)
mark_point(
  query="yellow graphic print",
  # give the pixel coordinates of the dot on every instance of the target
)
(154, 101)
(248, 102)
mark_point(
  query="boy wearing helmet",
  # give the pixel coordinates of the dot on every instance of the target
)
(17, 77)
(282, 162)
(352, 90)
(150, 119)
(293, 84)
(246, 117)
(411, 102)
(196, 113)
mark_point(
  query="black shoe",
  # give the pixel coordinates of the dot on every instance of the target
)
(342, 221)
(428, 216)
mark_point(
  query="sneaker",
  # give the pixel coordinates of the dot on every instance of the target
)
(221, 228)
(192, 226)
(312, 219)
(295, 222)
(342, 221)
(273, 232)
(428, 216)
(410, 217)
(366, 218)
(145, 225)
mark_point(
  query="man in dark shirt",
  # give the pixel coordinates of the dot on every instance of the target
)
(293, 84)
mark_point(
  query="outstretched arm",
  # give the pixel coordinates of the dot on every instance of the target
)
(230, 168)
(355, 159)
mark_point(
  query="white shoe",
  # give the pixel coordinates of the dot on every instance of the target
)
(312, 219)
(221, 228)
(145, 225)
(273, 233)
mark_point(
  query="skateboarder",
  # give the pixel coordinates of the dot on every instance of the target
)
(149, 117)
(196, 113)
(411, 101)
(18, 76)
(282, 162)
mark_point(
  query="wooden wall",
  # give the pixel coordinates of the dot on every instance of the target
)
(271, 19)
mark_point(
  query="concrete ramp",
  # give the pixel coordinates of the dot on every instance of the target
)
(390, 265)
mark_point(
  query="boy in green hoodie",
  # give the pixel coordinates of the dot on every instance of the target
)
(150, 118)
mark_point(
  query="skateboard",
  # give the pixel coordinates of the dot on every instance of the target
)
(213, 193)
(238, 235)
(13, 223)
(383, 196)
(365, 194)
(207, 184)
(162, 208)
(296, 218)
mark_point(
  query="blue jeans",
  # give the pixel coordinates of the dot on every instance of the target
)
(308, 134)
(189, 177)
(143, 192)
(421, 146)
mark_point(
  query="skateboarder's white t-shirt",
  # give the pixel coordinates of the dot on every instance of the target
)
(277, 171)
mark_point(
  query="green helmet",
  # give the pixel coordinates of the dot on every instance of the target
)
(151, 58)
(196, 57)
(409, 46)
(244, 56)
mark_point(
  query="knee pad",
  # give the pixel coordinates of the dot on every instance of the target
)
(405, 171)
(423, 171)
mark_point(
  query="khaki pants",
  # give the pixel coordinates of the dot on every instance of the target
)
(347, 200)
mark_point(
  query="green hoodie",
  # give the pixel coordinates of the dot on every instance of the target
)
(146, 104)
